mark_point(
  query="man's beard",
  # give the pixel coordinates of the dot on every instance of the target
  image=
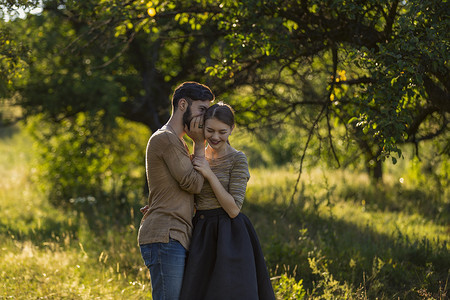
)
(187, 117)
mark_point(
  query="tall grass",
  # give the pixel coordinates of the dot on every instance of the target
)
(340, 237)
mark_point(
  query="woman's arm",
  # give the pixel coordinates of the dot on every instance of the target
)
(225, 199)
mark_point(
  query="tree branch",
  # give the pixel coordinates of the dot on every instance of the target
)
(390, 19)
(437, 96)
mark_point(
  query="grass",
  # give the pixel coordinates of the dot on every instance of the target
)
(343, 233)
(339, 238)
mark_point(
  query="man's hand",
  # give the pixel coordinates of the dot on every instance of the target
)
(195, 132)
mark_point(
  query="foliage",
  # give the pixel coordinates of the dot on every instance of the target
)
(327, 287)
(12, 63)
(383, 73)
(84, 165)
(287, 288)
(112, 56)
(396, 52)
(377, 69)
(13, 51)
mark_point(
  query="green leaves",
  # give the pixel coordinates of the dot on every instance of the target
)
(81, 158)
(377, 69)
(13, 59)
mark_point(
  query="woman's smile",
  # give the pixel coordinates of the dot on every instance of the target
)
(217, 133)
(213, 142)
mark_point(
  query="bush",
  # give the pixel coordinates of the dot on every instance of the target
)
(287, 288)
(88, 165)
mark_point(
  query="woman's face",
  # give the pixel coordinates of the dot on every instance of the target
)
(217, 133)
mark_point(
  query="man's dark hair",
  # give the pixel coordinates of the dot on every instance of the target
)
(191, 91)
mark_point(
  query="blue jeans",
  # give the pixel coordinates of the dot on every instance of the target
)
(166, 263)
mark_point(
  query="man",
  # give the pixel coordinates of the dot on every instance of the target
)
(166, 226)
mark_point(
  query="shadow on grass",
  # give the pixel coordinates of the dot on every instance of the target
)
(8, 131)
(385, 265)
(48, 230)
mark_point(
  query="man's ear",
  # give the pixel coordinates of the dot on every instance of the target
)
(182, 104)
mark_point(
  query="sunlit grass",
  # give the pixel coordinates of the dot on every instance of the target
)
(32, 272)
(22, 208)
(277, 186)
(414, 226)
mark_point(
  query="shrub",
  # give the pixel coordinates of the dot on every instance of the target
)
(88, 165)
(288, 288)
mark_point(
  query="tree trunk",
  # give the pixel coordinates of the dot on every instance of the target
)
(375, 170)
(374, 166)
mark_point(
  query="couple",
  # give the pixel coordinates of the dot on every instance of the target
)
(224, 260)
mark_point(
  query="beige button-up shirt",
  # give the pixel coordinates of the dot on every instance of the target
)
(172, 181)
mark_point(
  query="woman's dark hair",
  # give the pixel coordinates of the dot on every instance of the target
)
(222, 112)
(191, 91)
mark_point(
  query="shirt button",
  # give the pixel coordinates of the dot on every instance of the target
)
(202, 217)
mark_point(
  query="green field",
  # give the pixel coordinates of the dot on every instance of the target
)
(340, 238)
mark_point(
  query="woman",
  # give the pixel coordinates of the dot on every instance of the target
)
(225, 259)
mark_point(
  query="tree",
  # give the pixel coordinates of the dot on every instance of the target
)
(111, 56)
(12, 51)
(387, 80)
(13, 56)
(376, 68)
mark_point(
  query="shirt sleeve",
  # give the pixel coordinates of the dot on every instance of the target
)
(238, 179)
(179, 164)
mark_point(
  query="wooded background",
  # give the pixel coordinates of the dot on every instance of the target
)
(334, 84)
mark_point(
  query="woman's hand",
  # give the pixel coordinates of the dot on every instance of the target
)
(202, 165)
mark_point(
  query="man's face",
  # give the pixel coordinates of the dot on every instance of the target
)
(195, 109)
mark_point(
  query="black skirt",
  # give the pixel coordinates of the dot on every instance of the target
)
(225, 260)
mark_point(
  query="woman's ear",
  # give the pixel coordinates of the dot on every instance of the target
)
(232, 128)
